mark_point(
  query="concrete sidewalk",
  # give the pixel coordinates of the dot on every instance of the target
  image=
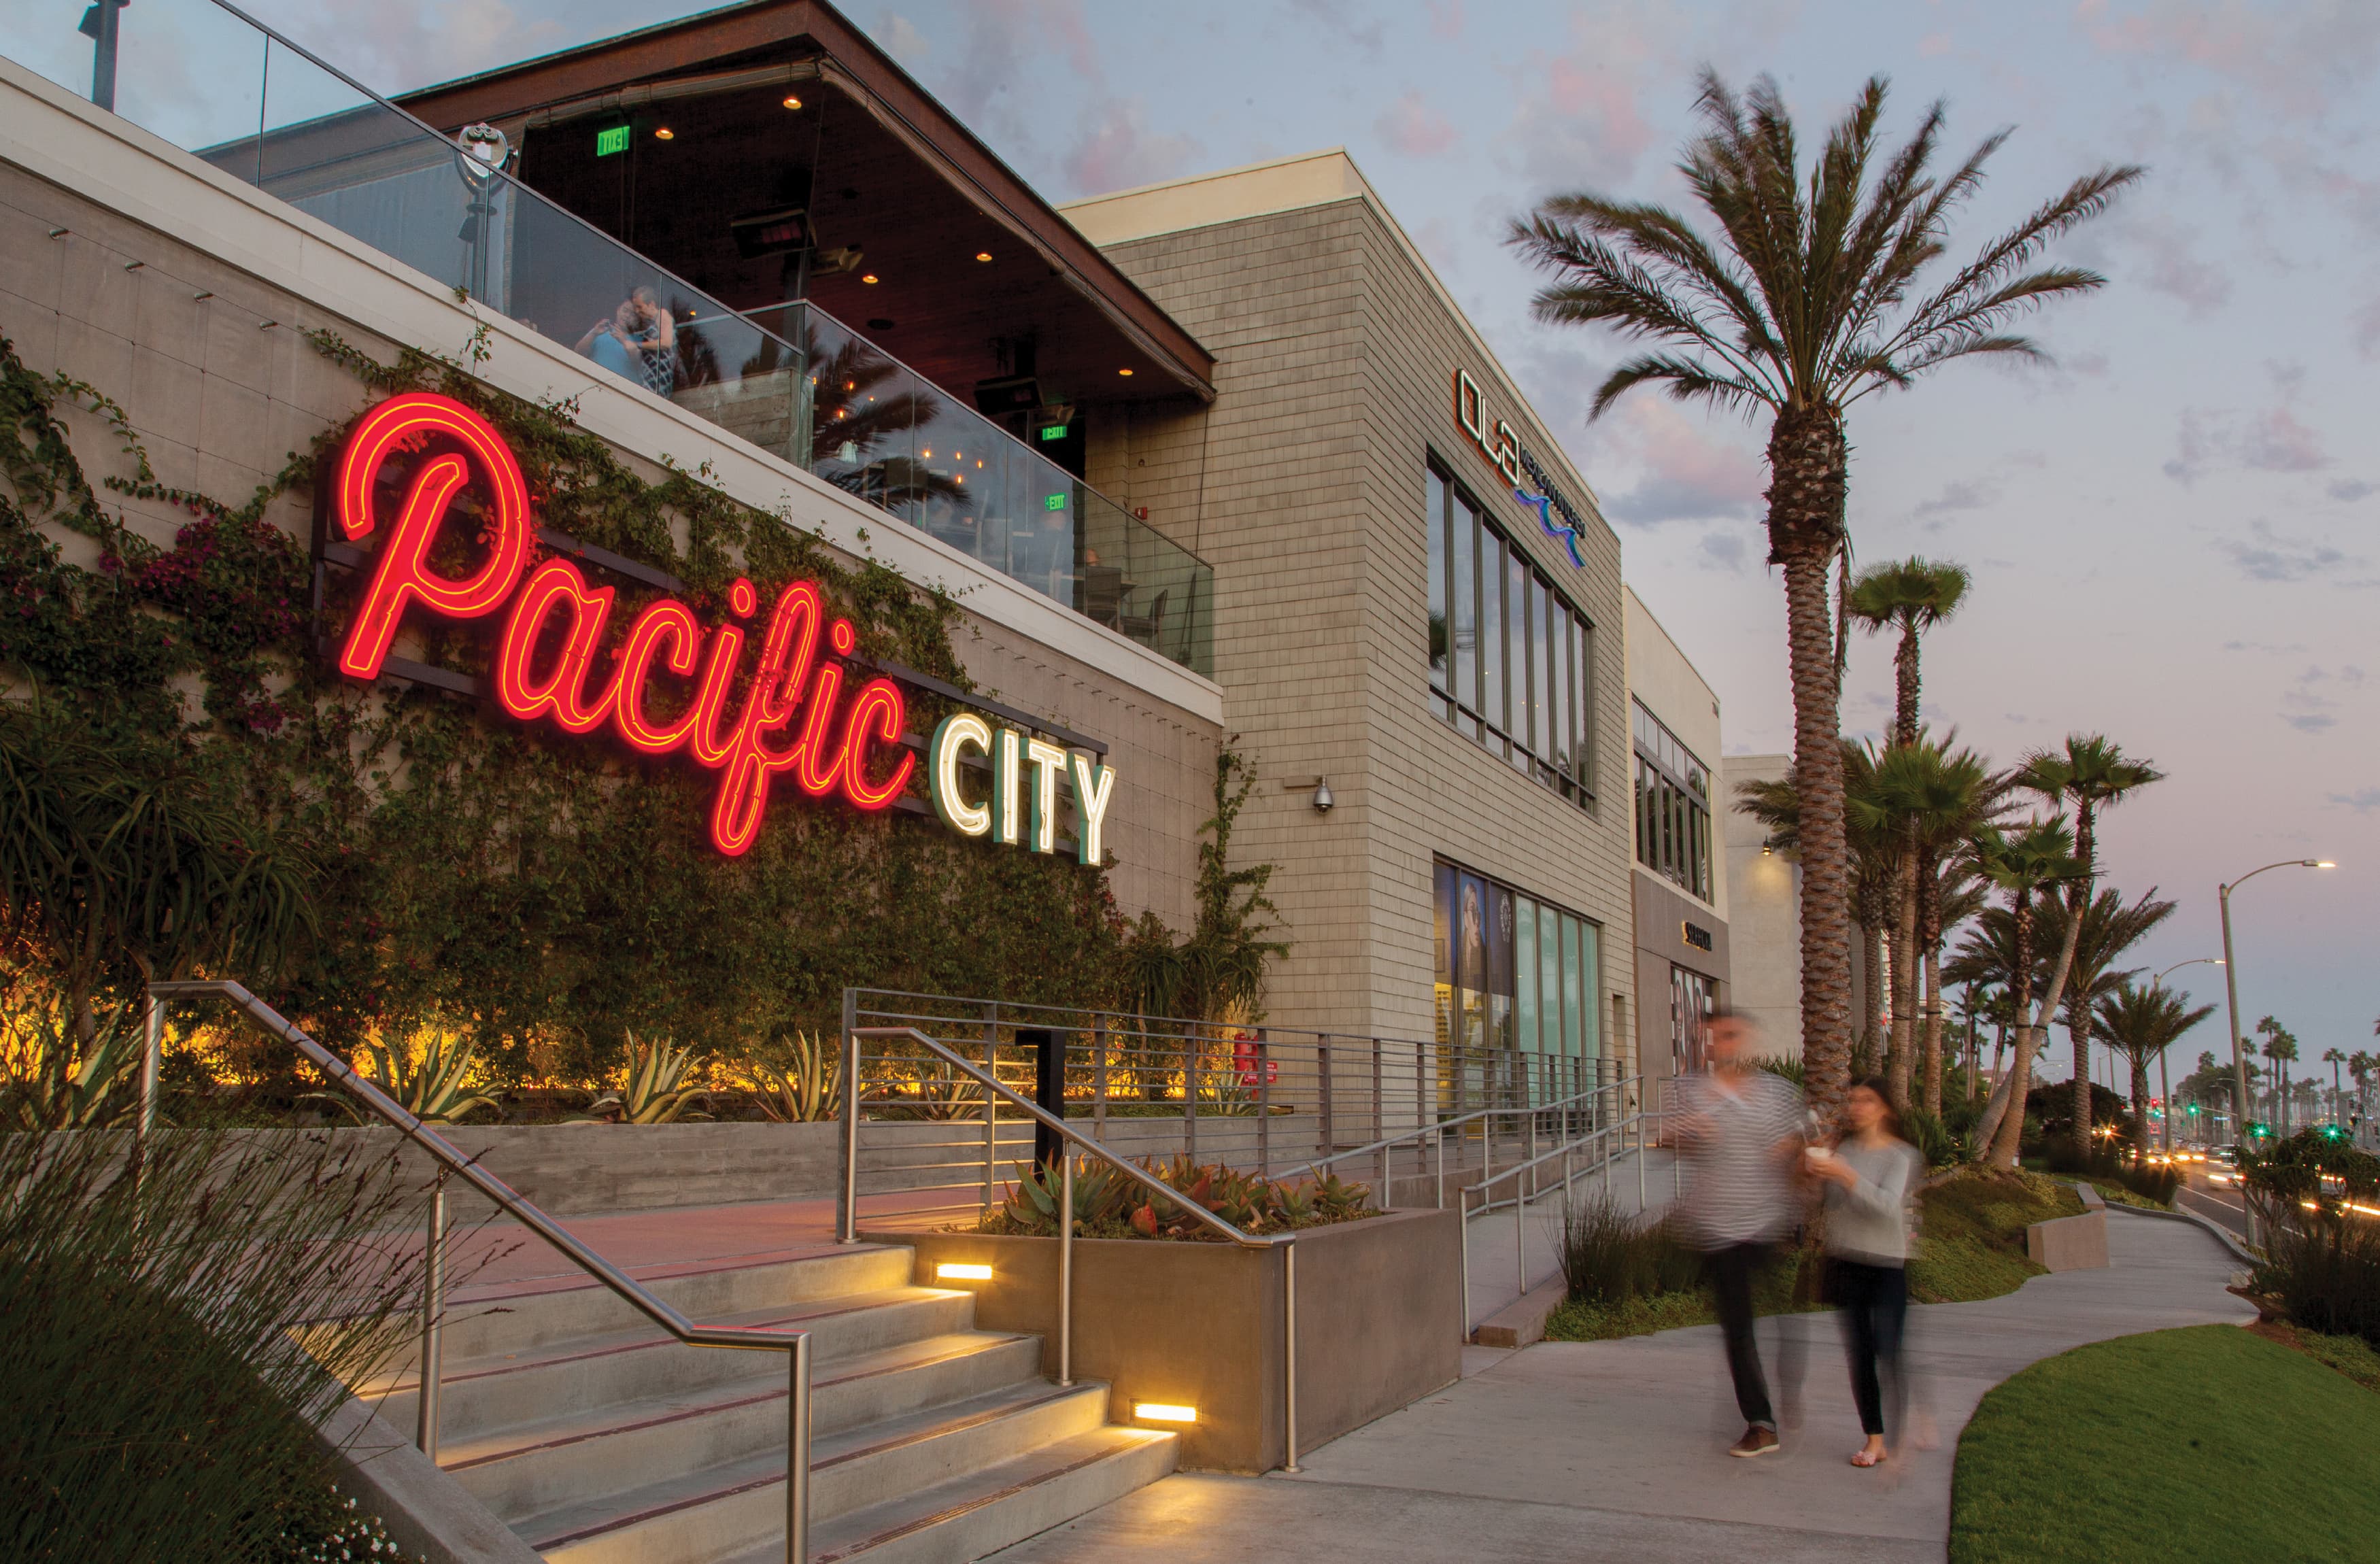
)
(1616, 1450)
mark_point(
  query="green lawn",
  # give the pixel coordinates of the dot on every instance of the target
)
(2205, 1444)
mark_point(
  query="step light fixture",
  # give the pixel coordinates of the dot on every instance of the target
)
(1162, 1412)
(950, 1271)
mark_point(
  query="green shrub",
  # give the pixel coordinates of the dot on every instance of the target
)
(1932, 1138)
(1609, 1256)
(155, 1386)
(2327, 1275)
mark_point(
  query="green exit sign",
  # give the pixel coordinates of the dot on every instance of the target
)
(1056, 431)
(1055, 502)
(612, 140)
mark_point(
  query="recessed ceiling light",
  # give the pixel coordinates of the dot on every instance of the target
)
(868, 277)
(983, 255)
(664, 134)
(1123, 371)
(792, 103)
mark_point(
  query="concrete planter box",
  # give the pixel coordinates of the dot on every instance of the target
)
(1380, 1324)
(575, 1170)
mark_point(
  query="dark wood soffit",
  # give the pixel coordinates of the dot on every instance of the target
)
(903, 106)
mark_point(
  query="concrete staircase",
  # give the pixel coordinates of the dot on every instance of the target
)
(599, 1439)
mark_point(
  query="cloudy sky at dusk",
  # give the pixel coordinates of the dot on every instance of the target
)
(2172, 529)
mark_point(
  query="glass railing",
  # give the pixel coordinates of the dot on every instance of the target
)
(792, 379)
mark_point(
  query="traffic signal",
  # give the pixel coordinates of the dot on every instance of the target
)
(2193, 1110)
(2332, 1132)
(2261, 1130)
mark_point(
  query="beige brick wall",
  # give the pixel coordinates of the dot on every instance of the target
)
(218, 399)
(1304, 487)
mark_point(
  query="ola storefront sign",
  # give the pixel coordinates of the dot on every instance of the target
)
(673, 684)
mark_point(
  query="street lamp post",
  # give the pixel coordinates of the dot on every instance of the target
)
(2165, 1076)
(2231, 982)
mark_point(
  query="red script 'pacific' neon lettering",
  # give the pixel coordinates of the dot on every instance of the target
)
(557, 623)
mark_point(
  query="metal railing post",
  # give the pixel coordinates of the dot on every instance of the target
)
(847, 1219)
(1465, 1272)
(1325, 1131)
(1190, 1096)
(152, 1043)
(1380, 1125)
(1065, 1267)
(1263, 1057)
(1521, 1234)
(1640, 1163)
(798, 1453)
(1100, 1078)
(1289, 1350)
(990, 1103)
(434, 1305)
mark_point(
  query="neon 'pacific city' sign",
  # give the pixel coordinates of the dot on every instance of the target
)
(796, 718)
(1504, 451)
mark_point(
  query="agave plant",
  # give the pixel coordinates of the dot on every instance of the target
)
(657, 1090)
(426, 1075)
(802, 1085)
(1104, 1197)
(51, 1081)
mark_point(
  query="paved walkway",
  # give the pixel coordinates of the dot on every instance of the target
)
(1615, 1449)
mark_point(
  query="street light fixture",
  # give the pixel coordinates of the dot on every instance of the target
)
(2165, 1076)
(2231, 984)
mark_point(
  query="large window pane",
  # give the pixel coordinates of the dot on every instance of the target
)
(1491, 632)
(1582, 722)
(1465, 580)
(1553, 928)
(1524, 970)
(1572, 1020)
(1558, 746)
(1541, 687)
(1436, 500)
(1516, 640)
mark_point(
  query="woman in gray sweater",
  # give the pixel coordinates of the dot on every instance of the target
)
(1868, 1177)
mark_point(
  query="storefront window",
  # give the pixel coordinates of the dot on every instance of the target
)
(1511, 659)
(1517, 977)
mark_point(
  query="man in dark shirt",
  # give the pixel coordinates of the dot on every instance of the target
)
(1738, 1129)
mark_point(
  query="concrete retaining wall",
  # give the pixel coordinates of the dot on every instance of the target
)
(1380, 1324)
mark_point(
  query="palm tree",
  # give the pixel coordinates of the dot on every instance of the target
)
(1912, 595)
(2280, 1046)
(2094, 774)
(2360, 1065)
(1931, 796)
(1952, 895)
(2109, 926)
(2141, 1024)
(1802, 308)
(2333, 1058)
(2040, 854)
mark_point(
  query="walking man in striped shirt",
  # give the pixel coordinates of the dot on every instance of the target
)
(1739, 1132)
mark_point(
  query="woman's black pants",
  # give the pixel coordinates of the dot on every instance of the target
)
(1874, 1303)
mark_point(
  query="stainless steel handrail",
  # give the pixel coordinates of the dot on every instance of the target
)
(1286, 1243)
(794, 1343)
(1440, 1126)
(1521, 1197)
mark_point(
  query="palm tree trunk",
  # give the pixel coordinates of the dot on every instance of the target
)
(1932, 1055)
(1871, 1030)
(1904, 979)
(2077, 1028)
(2011, 1131)
(1904, 670)
(1806, 461)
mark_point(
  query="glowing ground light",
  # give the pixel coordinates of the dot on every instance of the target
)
(949, 1271)
(1162, 1412)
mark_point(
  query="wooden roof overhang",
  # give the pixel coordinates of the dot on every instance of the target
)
(902, 178)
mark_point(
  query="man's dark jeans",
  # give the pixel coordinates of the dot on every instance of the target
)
(1732, 1272)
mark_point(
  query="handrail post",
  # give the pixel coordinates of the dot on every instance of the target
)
(1326, 1132)
(1065, 1267)
(434, 1304)
(797, 1452)
(1520, 1233)
(1379, 1124)
(1100, 1078)
(1464, 1216)
(1289, 1350)
(847, 1219)
(990, 1103)
(1190, 1093)
(1264, 1105)
(153, 1042)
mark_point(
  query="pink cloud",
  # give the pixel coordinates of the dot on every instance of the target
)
(1674, 463)
(1413, 128)
(1115, 150)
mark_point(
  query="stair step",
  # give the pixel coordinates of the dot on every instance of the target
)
(494, 1321)
(589, 1453)
(970, 1517)
(699, 1517)
(478, 1396)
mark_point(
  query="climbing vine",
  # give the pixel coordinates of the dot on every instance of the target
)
(540, 894)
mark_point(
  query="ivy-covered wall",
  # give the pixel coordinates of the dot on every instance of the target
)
(540, 892)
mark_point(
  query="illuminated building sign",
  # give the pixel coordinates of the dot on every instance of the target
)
(673, 683)
(1495, 440)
